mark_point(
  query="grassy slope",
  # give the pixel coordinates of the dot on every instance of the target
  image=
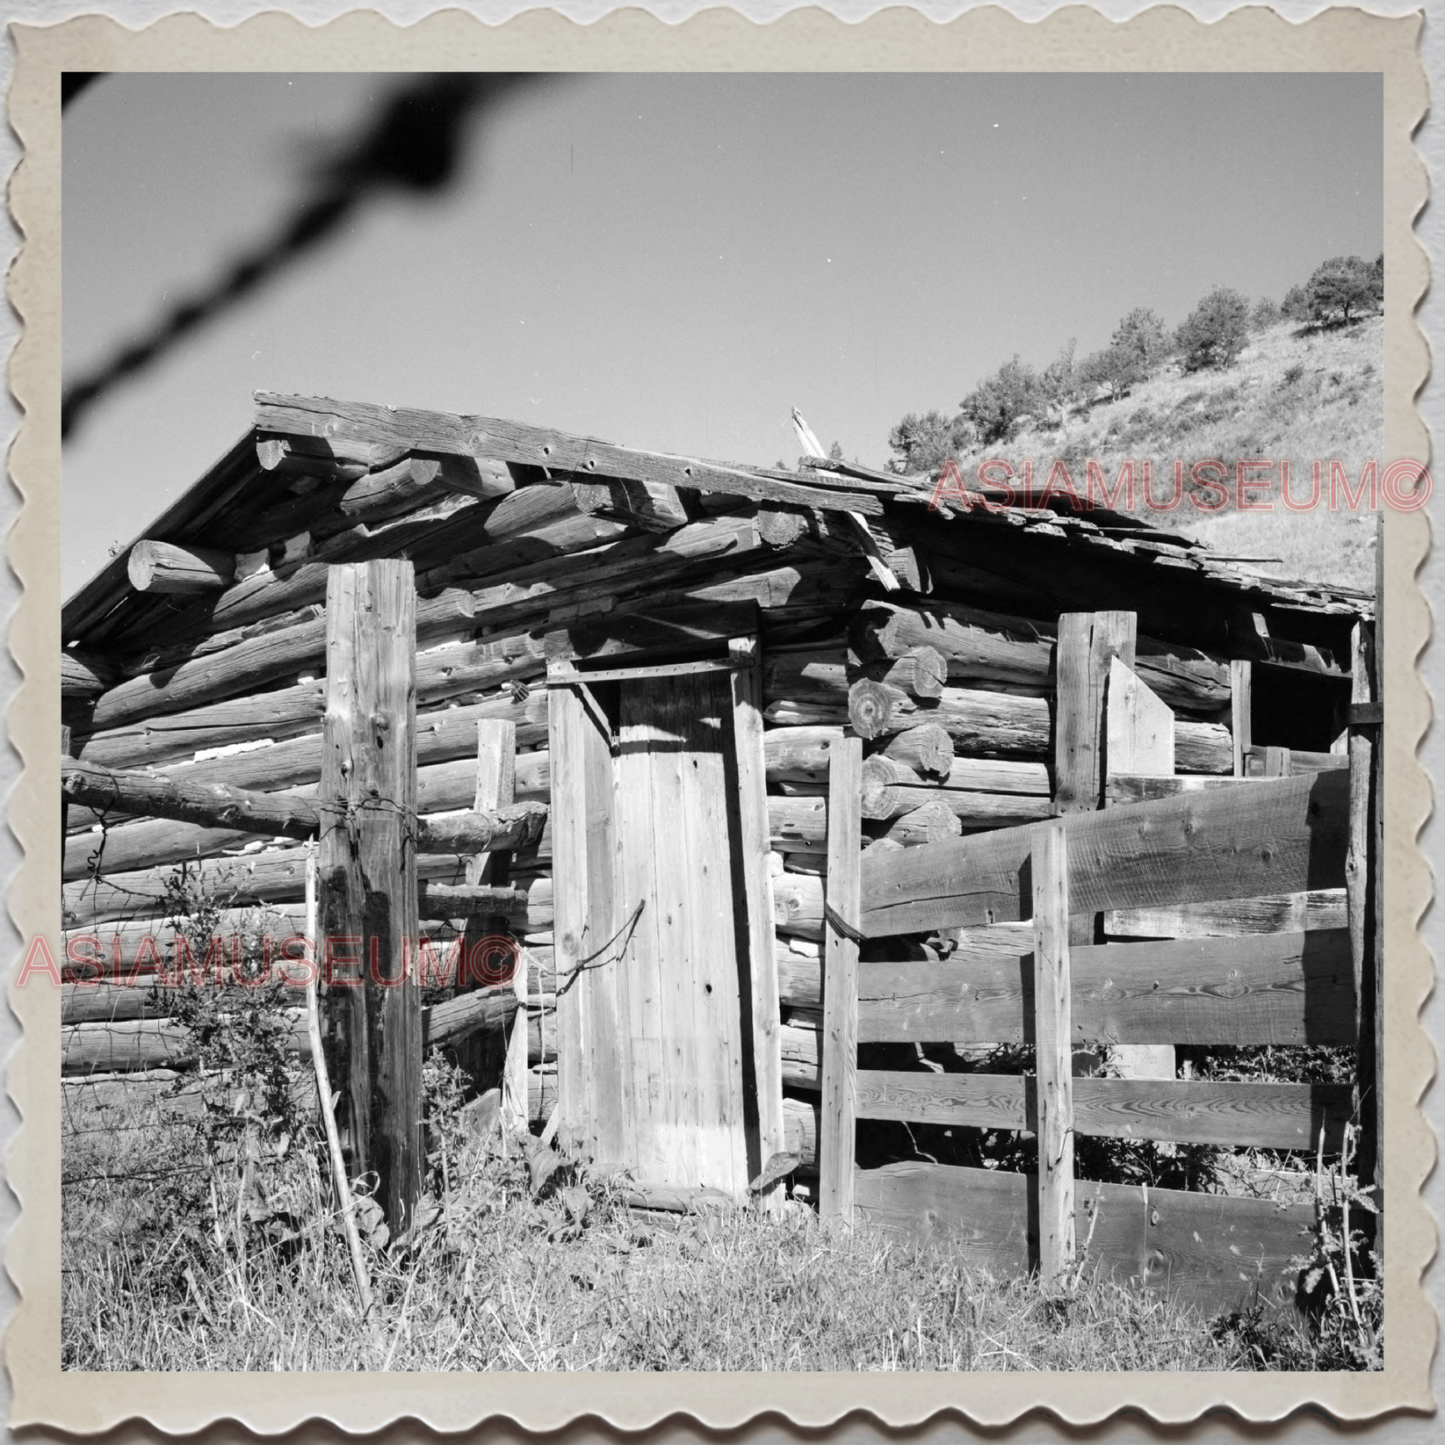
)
(1294, 394)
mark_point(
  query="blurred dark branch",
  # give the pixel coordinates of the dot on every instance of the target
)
(414, 145)
(72, 82)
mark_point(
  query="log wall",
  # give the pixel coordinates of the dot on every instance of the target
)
(953, 699)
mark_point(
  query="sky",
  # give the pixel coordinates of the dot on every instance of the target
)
(674, 261)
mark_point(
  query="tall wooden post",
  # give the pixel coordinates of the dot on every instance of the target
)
(1241, 713)
(1088, 642)
(1089, 645)
(1053, 1051)
(368, 873)
(1139, 730)
(837, 1123)
(1363, 897)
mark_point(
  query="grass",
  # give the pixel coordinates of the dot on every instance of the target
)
(163, 1271)
(1295, 394)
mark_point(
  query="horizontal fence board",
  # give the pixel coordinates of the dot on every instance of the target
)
(1262, 989)
(1278, 913)
(1229, 1114)
(1210, 1251)
(1283, 835)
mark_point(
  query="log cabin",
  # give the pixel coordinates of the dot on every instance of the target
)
(610, 682)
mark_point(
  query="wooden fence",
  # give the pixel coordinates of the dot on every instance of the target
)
(1184, 845)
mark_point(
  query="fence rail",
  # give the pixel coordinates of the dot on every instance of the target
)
(1161, 846)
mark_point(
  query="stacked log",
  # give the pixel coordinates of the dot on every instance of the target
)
(522, 561)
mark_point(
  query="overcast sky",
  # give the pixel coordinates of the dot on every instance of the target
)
(674, 261)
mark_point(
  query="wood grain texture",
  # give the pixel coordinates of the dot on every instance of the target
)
(1241, 711)
(535, 446)
(1139, 739)
(1275, 836)
(840, 988)
(684, 971)
(1053, 1051)
(368, 872)
(750, 850)
(595, 1113)
(1231, 1115)
(1276, 913)
(164, 567)
(1210, 1252)
(1265, 988)
(1087, 642)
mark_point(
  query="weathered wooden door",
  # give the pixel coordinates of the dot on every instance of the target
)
(662, 925)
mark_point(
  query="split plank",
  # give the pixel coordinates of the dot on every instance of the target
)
(1276, 835)
(1211, 1252)
(1262, 989)
(836, 1142)
(1226, 1114)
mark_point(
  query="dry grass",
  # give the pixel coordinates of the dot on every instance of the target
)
(155, 1279)
(1294, 395)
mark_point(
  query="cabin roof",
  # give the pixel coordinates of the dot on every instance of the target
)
(287, 479)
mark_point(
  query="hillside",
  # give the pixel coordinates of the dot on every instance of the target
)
(1296, 394)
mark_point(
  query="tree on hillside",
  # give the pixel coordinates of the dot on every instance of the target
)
(1296, 304)
(1141, 340)
(1059, 385)
(997, 403)
(1215, 332)
(1265, 314)
(1346, 288)
(1139, 344)
(923, 443)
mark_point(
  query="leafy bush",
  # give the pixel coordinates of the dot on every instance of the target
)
(1215, 332)
(1345, 288)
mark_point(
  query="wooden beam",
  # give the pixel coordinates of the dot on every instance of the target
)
(1284, 835)
(1208, 1252)
(1053, 1052)
(1270, 913)
(836, 1141)
(1283, 988)
(1088, 641)
(165, 567)
(580, 458)
(1139, 739)
(368, 871)
(1241, 714)
(212, 804)
(85, 676)
(252, 663)
(1363, 883)
(754, 830)
(1225, 1114)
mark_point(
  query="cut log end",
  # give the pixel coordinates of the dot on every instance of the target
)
(932, 823)
(927, 749)
(781, 526)
(870, 709)
(930, 672)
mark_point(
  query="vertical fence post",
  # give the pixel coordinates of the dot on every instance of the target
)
(496, 788)
(837, 1122)
(1241, 678)
(747, 699)
(1363, 900)
(368, 871)
(1140, 739)
(1053, 1051)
